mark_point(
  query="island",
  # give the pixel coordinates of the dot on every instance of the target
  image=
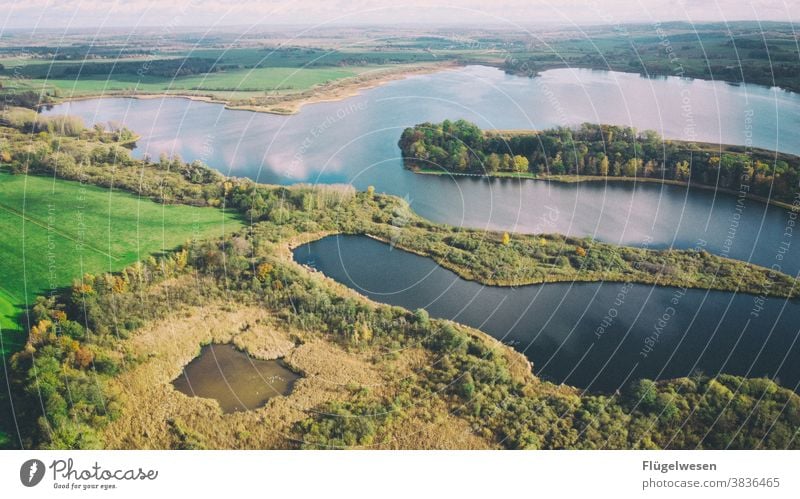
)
(599, 152)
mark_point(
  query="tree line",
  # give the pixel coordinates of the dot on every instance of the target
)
(601, 151)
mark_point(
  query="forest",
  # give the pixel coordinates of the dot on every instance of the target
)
(76, 347)
(597, 150)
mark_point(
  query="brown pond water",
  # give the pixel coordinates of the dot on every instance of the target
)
(234, 379)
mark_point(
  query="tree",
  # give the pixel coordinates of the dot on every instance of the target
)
(492, 163)
(507, 163)
(422, 318)
(264, 270)
(466, 386)
(632, 167)
(682, 170)
(650, 168)
(83, 358)
(603, 168)
(419, 150)
(557, 165)
(520, 164)
(449, 340)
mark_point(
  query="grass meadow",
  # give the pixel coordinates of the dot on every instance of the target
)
(54, 231)
(228, 84)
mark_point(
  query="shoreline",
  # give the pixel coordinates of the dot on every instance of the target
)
(352, 86)
(288, 104)
(286, 251)
(654, 74)
(575, 179)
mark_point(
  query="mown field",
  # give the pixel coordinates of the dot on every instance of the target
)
(55, 231)
(223, 85)
(8, 313)
(223, 74)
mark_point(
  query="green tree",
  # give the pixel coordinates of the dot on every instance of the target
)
(507, 163)
(632, 167)
(682, 170)
(603, 168)
(520, 164)
(492, 163)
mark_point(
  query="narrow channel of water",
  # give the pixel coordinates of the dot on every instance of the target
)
(590, 335)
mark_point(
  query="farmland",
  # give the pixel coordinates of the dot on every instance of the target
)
(55, 231)
(270, 74)
(224, 85)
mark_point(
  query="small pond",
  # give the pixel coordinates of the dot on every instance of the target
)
(234, 379)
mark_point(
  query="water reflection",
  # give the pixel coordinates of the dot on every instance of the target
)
(591, 335)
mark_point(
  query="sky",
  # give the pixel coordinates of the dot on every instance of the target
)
(121, 13)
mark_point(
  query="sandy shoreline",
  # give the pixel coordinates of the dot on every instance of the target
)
(291, 103)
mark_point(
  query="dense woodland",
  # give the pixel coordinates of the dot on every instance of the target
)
(599, 150)
(168, 68)
(738, 53)
(73, 349)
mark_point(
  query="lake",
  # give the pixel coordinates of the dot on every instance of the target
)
(234, 379)
(591, 335)
(355, 141)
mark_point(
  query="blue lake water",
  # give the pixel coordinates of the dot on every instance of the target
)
(591, 335)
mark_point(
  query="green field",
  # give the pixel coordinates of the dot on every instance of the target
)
(54, 231)
(225, 84)
(8, 315)
(241, 73)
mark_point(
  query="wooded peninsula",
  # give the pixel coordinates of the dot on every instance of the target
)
(599, 152)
